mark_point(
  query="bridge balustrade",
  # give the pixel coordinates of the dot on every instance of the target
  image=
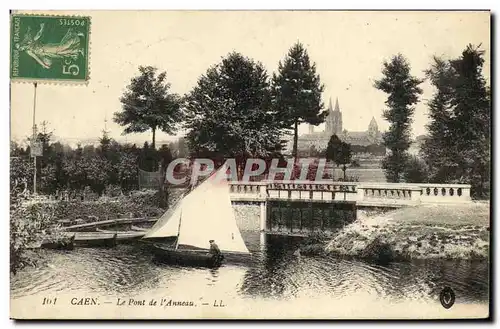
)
(368, 193)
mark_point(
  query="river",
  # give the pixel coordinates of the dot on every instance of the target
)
(274, 283)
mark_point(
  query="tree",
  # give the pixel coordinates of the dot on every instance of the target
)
(339, 152)
(227, 112)
(148, 160)
(296, 92)
(97, 170)
(148, 105)
(472, 119)
(46, 170)
(403, 92)
(127, 171)
(457, 148)
(45, 135)
(437, 150)
(105, 142)
(74, 169)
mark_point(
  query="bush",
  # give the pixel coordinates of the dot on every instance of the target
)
(416, 171)
(30, 223)
(138, 204)
(378, 251)
(113, 191)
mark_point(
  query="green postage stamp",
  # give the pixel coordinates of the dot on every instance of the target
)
(49, 48)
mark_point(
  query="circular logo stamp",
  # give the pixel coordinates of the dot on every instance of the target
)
(447, 297)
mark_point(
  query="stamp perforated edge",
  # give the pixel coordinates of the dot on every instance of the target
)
(53, 81)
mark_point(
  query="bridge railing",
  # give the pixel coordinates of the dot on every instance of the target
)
(445, 192)
(382, 193)
(248, 191)
(388, 194)
(307, 190)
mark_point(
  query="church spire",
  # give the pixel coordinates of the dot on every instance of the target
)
(330, 108)
(337, 108)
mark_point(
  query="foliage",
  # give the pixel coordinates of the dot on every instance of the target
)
(127, 171)
(416, 171)
(435, 149)
(96, 169)
(458, 146)
(148, 105)
(29, 223)
(179, 148)
(21, 174)
(227, 112)
(339, 152)
(296, 92)
(403, 92)
(136, 204)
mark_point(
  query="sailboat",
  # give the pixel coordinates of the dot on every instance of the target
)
(203, 214)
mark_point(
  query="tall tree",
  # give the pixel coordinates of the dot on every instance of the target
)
(457, 149)
(147, 104)
(437, 150)
(472, 119)
(227, 112)
(296, 92)
(403, 93)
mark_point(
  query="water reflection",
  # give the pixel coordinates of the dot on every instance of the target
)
(274, 272)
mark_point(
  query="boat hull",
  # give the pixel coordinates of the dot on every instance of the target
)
(95, 240)
(124, 236)
(185, 257)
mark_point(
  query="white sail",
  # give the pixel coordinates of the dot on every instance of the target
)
(204, 214)
(208, 215)
(168, 224)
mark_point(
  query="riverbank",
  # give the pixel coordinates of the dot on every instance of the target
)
(36, 221)
(459, 231)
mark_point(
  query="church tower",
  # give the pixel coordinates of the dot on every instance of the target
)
(334, 119)
(373, 133)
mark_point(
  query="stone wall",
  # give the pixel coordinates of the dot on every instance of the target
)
(247, 216)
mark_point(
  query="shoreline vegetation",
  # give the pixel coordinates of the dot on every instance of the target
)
(33, 222)
(459, 231)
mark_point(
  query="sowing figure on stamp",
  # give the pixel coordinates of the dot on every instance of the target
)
(69, 47)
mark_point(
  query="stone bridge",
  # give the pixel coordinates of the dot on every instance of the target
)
(362, 195)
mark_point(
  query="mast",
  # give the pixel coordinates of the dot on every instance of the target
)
(178, 232)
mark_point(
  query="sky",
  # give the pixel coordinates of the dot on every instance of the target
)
(347, 47)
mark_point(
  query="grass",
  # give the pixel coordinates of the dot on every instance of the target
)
(363, 174)
(459, 231)
(473, 214)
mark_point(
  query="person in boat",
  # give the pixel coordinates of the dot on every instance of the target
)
(215, 251)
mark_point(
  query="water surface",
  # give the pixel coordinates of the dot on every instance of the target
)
(273, 276)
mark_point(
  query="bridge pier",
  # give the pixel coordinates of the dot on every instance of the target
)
(263, 241)
(263, 216)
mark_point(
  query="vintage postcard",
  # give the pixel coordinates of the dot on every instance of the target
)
(250, 164)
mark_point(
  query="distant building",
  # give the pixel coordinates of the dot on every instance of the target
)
(334, 126)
